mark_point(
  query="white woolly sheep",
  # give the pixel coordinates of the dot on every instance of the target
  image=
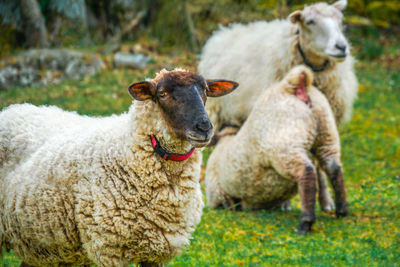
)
(76, 190)
(269, 158)
(261, 53)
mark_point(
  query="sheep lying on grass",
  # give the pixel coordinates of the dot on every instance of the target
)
(76, 190)
(261, 53)
(269, 158)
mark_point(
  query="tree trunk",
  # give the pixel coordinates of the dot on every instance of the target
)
(191, 29)
(67, 22)
(33, 24)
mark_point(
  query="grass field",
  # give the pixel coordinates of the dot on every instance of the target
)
(369, 236)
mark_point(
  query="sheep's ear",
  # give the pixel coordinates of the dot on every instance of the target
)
(220, 87)
(341, 5)
(141, 90)
(296, 16)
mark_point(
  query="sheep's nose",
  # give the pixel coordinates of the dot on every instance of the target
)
(204, 125)
(341, 46)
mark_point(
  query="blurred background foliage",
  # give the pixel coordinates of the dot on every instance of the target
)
(162, 25)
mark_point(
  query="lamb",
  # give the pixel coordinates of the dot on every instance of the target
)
(77, 190)
(261, 53)
(270, 158)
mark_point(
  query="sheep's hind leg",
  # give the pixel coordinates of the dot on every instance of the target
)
(307, 189)
(335, 174)
(324, 197)
(300, 168)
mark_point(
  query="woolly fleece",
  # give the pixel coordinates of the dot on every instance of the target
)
(260, 54)
(78, 190)
(261, 163)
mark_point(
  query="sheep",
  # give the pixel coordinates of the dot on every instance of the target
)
(270, 158)
(77, 190)
(261, 53)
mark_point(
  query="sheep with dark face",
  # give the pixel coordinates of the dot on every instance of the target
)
(270, 158)
(77, 190)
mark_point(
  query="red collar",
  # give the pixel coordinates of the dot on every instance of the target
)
(166, 155)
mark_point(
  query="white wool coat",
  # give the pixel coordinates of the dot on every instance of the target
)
(79, 190)
(259, 54)
(261, 163)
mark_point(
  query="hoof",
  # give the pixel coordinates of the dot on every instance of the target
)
(327, 204)
(328, 207)
(286, 206)
(341, 210)
(306, 222)
(304, 228)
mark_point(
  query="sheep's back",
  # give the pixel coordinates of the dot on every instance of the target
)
(280, 122)
(25, 127)
(255, 55)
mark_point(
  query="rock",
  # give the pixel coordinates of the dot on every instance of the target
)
(136, 61)
(46, 66)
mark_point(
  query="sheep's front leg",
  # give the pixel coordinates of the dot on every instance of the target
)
(306, 184)
(334, 170)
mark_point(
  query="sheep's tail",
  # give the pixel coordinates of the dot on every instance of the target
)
(300, 76)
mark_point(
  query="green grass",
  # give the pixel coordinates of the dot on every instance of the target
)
(369, 236)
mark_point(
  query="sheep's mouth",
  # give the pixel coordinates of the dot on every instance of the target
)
(339, 57)
(198, 140)
(199, 143)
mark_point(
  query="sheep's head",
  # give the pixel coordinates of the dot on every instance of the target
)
(298, 82)
(320, 28)
(181, 96)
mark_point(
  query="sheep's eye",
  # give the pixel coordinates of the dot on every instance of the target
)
(310, 22)
(163, 94)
